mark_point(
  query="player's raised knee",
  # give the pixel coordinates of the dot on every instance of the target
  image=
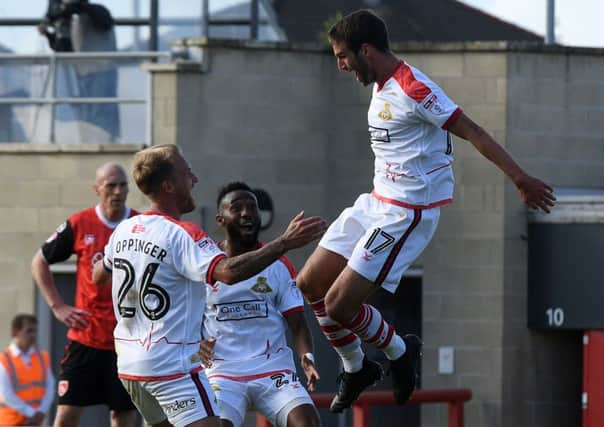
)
(304, 284)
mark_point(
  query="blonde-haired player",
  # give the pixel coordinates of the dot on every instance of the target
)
(160, 267)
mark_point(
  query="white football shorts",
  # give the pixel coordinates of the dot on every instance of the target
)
(273, 396)
(182, 401)
(379, 239)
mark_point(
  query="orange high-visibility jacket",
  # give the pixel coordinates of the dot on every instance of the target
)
(29, 383)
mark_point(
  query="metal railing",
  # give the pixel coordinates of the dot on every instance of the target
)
(38, 75)
(454, 398)
(205, 21)
(152, 22)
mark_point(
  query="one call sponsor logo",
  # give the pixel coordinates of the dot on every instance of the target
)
(179, 405)
(240, 310)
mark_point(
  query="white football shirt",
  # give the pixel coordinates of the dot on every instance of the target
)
(408, 120)
(160, 270)
(248, 321)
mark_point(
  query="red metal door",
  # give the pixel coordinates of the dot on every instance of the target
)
(593, 379)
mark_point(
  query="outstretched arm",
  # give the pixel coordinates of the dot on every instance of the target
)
(300, 232)
(534, 192)
(303, 345)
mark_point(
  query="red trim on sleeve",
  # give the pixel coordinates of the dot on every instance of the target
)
(213, 264)
(452, 118)
(299, 309)
(412, 87)
(290, 267)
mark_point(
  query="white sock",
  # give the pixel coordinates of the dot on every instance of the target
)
(343, 341)
(370, 326)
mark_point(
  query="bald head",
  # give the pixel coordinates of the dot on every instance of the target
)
(111, 186)
(109, 168)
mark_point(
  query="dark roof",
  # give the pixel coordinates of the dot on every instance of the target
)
(420, 20)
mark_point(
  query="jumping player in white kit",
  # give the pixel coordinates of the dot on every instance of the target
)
(371, 244)
(249, 363)
(160, 267)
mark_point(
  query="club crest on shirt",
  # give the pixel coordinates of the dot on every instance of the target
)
(89, 239)
(62, 387)
(385, 114)
(261, 286)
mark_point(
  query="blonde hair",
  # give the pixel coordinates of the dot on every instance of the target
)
(154, 165)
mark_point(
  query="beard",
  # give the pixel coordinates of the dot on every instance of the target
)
(188, 204)
(245, 239)
(364, 74)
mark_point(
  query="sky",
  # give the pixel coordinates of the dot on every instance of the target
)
(578, 22)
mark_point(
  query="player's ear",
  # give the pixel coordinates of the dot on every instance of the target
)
(364, 49)
(219, 220)
(166, 186)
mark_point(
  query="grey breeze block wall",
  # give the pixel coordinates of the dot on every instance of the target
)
(555, 126)
(283, 118)
(41, 185)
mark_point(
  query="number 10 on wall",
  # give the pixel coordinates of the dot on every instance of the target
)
(555, 316)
